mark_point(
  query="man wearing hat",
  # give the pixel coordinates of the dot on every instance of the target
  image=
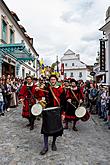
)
(54, 98)
(66, 84)
(74, 98)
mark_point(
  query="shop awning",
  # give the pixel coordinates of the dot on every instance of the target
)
(18, 50)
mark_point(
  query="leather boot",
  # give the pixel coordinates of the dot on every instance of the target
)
(74, 126)
(31, 127)
(54, 147)
(32, 123)
(28, 125)
(75, 129)
(44, 151)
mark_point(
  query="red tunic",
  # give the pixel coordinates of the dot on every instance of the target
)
(52, 125)
(70, 109)
(58, 92)
(39, 94)
(29, 99)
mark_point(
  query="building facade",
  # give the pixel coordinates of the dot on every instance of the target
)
(73, 67)
(106, 31)
(17, 54)
(99, 76)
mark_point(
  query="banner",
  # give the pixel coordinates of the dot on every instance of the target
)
(102, 55)
(62, 69)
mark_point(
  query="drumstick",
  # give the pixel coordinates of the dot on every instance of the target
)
(72, 104)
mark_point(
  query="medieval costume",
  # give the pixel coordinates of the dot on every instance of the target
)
(27, 97)
(66, 86)
(52, 124)
(73, 97)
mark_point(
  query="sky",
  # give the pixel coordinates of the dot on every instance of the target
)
(59, 25)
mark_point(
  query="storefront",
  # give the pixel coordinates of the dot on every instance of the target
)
(100, 78)
(8, 69)
(8, 66)
(12, 58)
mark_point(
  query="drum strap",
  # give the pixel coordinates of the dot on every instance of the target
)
(31, 93)
(74, 95)
(54, 96)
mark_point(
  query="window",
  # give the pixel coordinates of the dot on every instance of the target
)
(72, 64)
(11, 36)
(29, 62)
(71, 74)
(29, 72)
(65, 64)
(23, 72)
(4, 31)
(34, 63)
(80, 74)
(65, 75)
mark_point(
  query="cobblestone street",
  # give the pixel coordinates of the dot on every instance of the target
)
(20, 146)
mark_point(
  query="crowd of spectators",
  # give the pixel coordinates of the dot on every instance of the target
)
(97, 100)
(96, 97)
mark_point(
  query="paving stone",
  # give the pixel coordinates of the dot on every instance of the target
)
(20, 146)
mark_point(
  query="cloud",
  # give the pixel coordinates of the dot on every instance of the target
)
(79, 11)
(90, 37)
(62, 24)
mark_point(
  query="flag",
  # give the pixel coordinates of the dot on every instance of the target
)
(42, 63)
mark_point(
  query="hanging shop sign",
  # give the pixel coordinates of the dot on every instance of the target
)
(102, 55)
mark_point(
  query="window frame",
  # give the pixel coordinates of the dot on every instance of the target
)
(72, 64)
(80, 74)
(71, 74)
(4, 33)
(65, 64)
(11, 30)
(65, 74)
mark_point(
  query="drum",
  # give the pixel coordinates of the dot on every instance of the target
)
(86, 117)
(52, 123)
(80, 112)
(36, 109)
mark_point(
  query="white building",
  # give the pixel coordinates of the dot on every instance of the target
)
(17, 54)
(99, 76)
(73, 67)
(106, 31)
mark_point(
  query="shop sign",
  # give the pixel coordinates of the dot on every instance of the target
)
(102, 55)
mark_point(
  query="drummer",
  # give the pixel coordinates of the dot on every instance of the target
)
(54, 98)
(74, 98)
